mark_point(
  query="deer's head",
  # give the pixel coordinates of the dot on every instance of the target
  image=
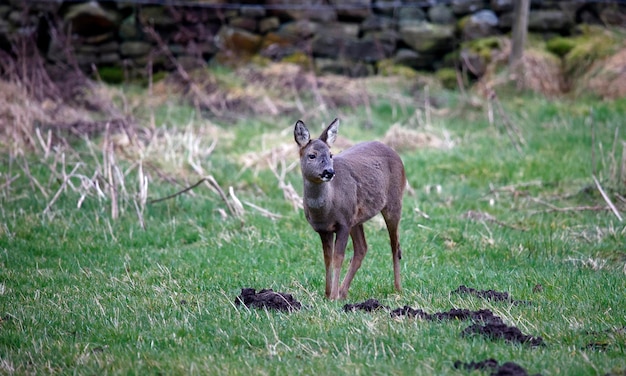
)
(316, 160)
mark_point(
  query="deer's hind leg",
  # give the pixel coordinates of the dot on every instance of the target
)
(360, 249)
(392, 219)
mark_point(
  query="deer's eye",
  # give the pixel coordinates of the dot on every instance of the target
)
(311, 156)
(331, 155)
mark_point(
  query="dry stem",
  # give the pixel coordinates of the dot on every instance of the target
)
(607, 199)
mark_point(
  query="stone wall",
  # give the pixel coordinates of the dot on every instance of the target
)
(341, 36)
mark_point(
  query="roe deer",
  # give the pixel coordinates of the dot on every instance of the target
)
(343, 192)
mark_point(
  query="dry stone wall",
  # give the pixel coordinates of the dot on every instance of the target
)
(347, 37)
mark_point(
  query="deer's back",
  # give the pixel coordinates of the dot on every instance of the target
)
(371, 174)
(373, 157)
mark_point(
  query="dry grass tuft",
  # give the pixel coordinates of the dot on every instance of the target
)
(542, 72)
(404, 139)
(275, 90)
(42, 107)
(292, 82)
(29, 124)
(260, 160)
(222, 100)
(175, 152)
(606, 78)
(18, 113)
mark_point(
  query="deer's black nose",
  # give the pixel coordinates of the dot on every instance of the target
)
(328, 174)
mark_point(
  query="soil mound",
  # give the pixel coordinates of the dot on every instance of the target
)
(369, 305)
(267, 298)
(485, 323)
(495, 330)
(483, 315)
(491, 295)
(506, 369)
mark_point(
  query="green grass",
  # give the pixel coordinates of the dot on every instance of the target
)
(81, 293)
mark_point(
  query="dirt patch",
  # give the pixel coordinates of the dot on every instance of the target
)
(486, 323)
(506, 369)
(500, 330)
(369, 305)
(483, 315)
(491, 295)
(268, 298)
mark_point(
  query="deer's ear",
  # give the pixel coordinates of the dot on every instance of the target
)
(301, 134)
(330, 134)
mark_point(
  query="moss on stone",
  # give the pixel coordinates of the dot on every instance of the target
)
(484, 47)
(111, 75)
(387, 67)
(560, 46)
(447, 77)
(592, 45)
(298, 58)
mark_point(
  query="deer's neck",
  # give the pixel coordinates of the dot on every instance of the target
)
(318, 197)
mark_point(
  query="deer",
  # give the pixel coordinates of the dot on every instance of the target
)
(344, 191)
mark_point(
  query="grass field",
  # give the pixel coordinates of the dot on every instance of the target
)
(151, 289)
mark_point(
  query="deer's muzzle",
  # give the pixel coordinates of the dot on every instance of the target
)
(328, 174)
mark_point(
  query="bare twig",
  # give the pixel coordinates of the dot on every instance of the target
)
(459, 81)
(8, 181)
(607, 199)
(199, 94)
(45, 145)
(210, 180)
(486, 217)
(540, 201)
(289, 191)
(264, 212)
(154, 201)
(237, 206)
(621, 175)
(514, 189)
(143, 196)
(593, 142)
(33, 180)
(61, 189)
(570, 209)
(515, 135)
(613, 173)
(109, 161)
(87, 184)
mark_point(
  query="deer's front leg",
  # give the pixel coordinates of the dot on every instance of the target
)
(327, 246)
(338, 255)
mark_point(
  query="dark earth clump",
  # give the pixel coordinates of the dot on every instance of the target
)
(506, 369)
(485, 323)
(369, 305)
(502, 331)
(267, 298)
(492, 295)
(472, 366)
(484, 315)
